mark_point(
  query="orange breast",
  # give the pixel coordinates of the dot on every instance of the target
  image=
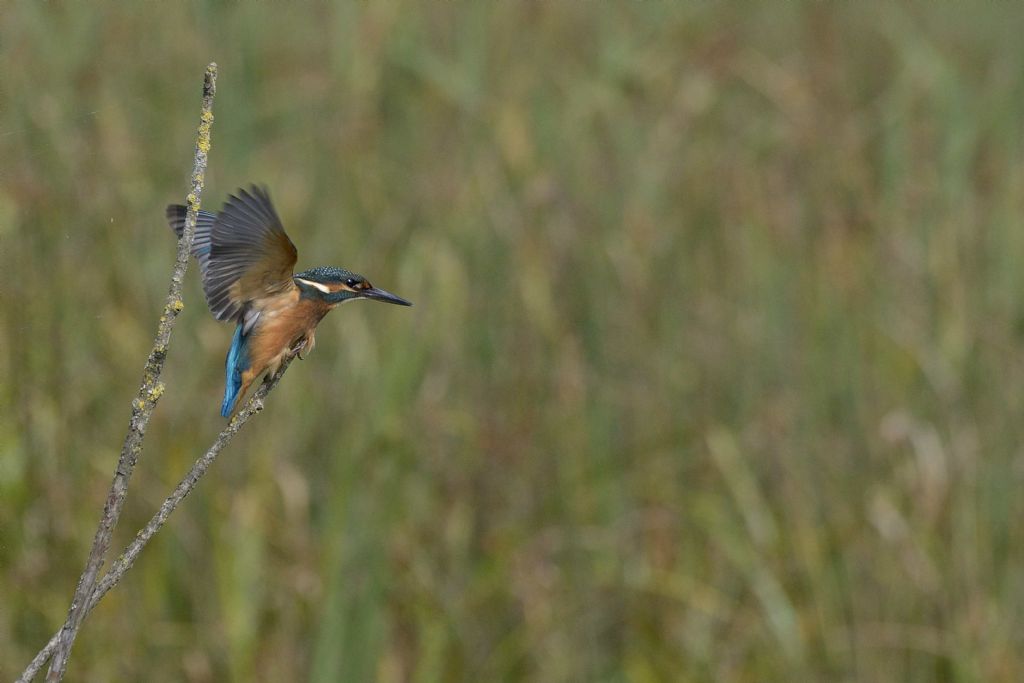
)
(285, 320)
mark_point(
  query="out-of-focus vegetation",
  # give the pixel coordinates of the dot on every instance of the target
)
(716, 368)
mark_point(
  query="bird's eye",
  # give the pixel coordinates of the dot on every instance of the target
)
(351, 282)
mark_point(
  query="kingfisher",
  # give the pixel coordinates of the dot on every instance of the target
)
(246, 261)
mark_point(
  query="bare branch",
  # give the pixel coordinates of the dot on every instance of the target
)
(37, 662)
(128, 557)
(144, 403)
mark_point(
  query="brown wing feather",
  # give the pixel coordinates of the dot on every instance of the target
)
(250, 257)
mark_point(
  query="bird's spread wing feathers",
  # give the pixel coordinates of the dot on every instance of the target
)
(243, 252)
(204, 228)
(250, 254)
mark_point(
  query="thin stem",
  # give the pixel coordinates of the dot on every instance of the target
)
(185, 486)
(128, 557)
(150, 390)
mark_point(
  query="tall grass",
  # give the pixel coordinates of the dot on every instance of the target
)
(714, 371)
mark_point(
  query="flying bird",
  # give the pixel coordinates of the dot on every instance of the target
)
(246, 261)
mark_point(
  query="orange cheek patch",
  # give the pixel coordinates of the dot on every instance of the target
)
(342, 287)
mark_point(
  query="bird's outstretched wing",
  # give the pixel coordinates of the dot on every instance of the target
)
(250, 254)
(243, 251)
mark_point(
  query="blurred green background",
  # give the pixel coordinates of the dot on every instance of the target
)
(715, 370)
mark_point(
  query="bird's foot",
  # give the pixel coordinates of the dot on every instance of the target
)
(303, 346)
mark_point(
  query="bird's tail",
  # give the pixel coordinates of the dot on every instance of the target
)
(236, 363)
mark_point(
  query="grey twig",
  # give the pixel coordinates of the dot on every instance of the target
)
(127, 558)
(144, 403)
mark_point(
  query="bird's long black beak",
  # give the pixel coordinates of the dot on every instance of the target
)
(381, 295)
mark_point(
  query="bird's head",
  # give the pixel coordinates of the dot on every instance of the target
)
(337, 285)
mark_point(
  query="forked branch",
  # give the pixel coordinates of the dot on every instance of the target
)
(150, 390)
(127, 558)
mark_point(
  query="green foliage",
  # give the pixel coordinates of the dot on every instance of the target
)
(714, 371)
